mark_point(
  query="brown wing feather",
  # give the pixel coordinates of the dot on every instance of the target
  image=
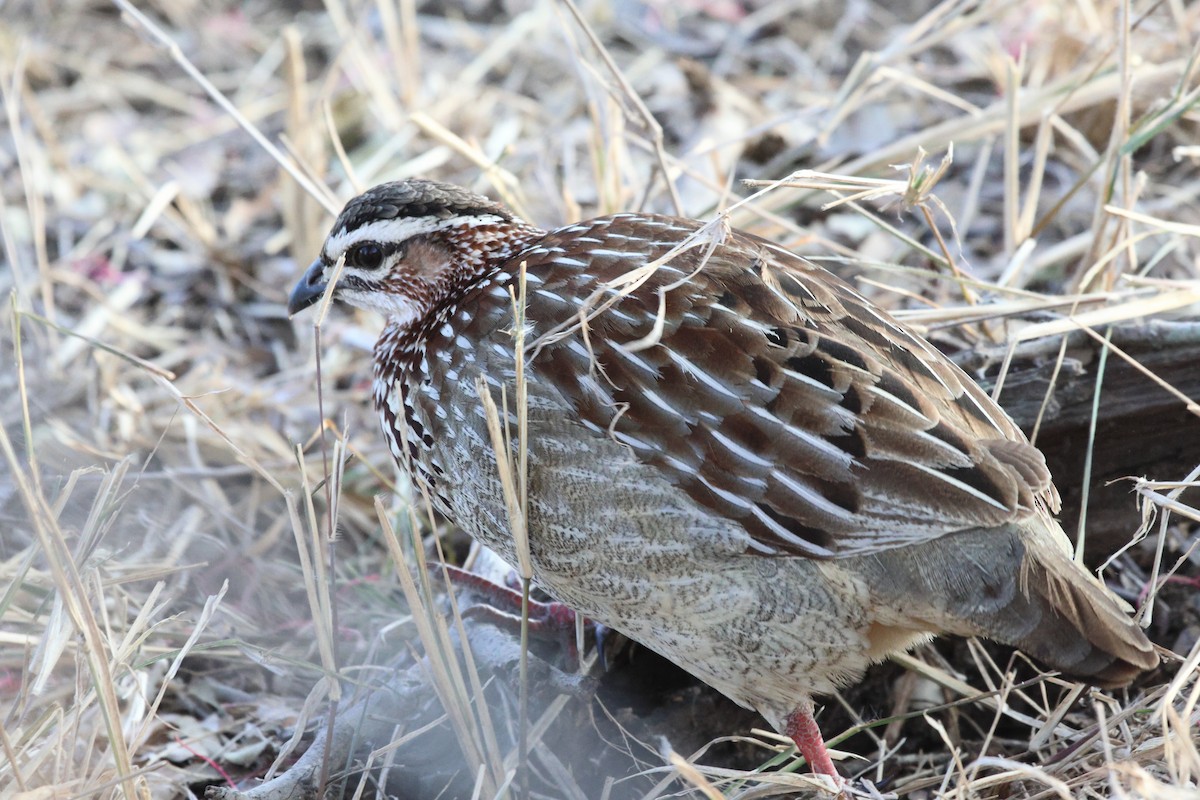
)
(774, 393)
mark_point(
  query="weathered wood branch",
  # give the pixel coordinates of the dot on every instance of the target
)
(1142, 429)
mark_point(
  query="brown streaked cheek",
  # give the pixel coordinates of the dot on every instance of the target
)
(425, 258)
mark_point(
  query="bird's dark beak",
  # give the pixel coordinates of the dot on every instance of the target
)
(309, 289)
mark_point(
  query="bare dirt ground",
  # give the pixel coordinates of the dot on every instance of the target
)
(173, 614)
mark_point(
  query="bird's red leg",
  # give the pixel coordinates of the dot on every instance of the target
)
(803, 730)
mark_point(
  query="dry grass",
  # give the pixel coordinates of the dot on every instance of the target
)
(169, 594)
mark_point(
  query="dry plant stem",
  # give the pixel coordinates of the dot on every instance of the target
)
(1086, 321)
(516, 490)
(523, 692)
(10, 246)
(399, 31)
(966, 692)
(443, 667)
(1012, 163)
(1191, 406)
(72, 593)
(865, 189)
(1173, 724)
(312, 568)
(466, 706)
(1117, 163)
(23, 394)
(992, 120)
(34, 202)
(968, 295)
(336, 140)
(522, 420)
(647, 119)
(327, 641)
(1101, 716)
(1013, 770)
(331, 714)
(1002, 696)
(169, 44)
(211, 604)
(1160, 225)
(1049, 394)
(857, 84)
(1085, 178)
(523, 544)
(1168, 505)
(302, 217)
(1125, 113)
(374, 81)
(1081, 532)
(695, 777)
(505, 183)
(487, 729)
(10, 754)
(1045, 133)
(955, 766)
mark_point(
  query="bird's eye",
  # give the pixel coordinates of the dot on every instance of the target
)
(366, 256)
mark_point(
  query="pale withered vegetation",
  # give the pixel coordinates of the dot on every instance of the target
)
(1019, 179)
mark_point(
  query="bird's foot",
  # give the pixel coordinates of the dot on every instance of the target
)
(802, 728)
(550, 621)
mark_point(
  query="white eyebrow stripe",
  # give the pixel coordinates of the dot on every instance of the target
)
(397, 229)
(400, 229)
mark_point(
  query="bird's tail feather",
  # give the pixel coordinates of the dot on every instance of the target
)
(1016, 585)
(1086, 631)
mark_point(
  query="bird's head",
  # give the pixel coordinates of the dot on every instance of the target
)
(408, 245)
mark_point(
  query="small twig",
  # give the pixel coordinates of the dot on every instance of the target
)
(1086, 481)
(647, 119)
(319, 192)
